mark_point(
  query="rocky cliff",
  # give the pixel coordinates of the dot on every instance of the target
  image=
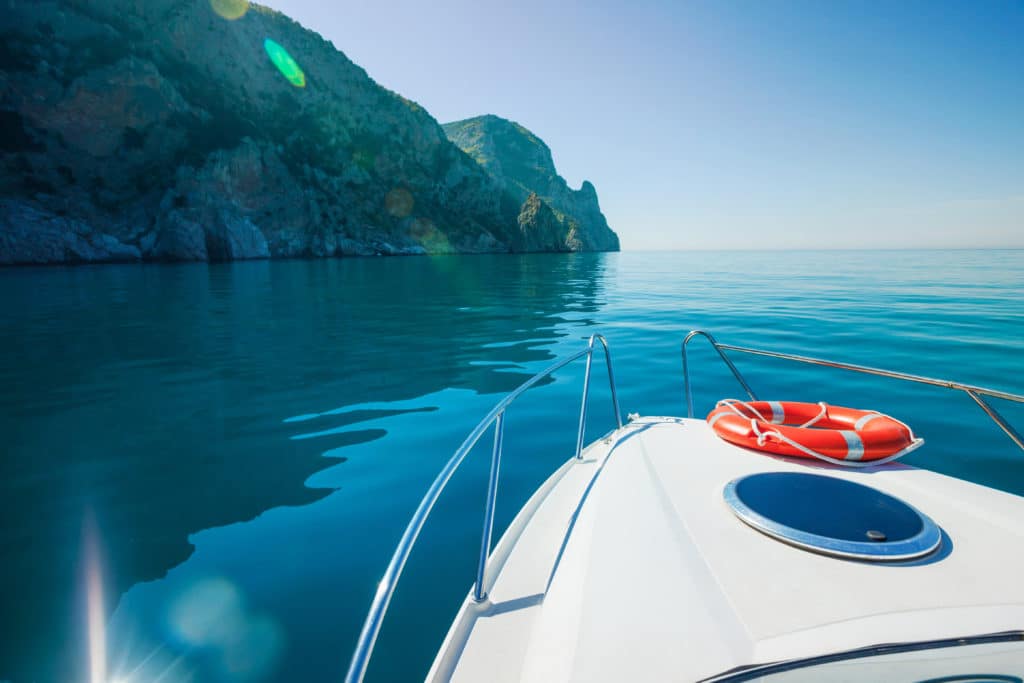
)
(521, 163)
(215, 130)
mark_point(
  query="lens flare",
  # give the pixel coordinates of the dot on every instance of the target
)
(284, 63)
(230, 9)
(212, 617)
(208, 613)
(399, 202)
(364, 159)
(430, 238)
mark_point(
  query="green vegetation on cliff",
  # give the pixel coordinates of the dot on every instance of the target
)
(160, 129)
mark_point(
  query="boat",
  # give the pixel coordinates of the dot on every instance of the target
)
(662, 552)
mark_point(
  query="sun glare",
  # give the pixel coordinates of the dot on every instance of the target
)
(94, 603)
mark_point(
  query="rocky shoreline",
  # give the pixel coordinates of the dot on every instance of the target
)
(159, 130)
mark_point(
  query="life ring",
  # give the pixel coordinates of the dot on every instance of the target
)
(835, 434)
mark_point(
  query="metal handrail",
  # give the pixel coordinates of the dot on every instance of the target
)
(725, 358)
(975, 392)
(386, 588)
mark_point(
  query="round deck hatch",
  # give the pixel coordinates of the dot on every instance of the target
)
(832, 516)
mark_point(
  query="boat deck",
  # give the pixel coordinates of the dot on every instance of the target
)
(628, 565)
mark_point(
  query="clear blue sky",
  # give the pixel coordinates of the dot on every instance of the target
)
(734, 124)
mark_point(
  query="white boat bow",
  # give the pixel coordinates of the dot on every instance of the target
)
(631, 562)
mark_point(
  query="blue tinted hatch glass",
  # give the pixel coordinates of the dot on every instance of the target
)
(828, 506)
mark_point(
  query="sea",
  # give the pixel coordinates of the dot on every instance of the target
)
(206, 467)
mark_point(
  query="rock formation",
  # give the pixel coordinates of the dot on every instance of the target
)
(164, 130)
(522, 164)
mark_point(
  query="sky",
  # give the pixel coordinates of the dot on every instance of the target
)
(733, 125)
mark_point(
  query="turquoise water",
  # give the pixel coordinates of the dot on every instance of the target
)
(244, 443)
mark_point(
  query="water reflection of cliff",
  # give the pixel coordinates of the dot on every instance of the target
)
(155, 399)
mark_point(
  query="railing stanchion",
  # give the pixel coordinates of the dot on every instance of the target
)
(479, 591)
(386, 588)
(611, 379)
(583, 403)
(686, 380)
(997, 418)
(717, 347)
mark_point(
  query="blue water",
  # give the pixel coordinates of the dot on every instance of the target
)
(244, 443)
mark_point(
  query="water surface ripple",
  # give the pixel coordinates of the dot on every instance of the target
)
(245, 442)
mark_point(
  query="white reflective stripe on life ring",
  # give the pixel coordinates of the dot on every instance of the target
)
(778, 412)
(854, 445)
(864, 420)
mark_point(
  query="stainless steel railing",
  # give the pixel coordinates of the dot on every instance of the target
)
(386, 588)
(974, 392)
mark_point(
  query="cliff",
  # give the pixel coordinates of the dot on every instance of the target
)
(199, 130)
(521, 163)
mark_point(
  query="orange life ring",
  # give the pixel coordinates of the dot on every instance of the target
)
(812, 430)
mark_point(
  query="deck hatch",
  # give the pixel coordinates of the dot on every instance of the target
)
(832, 516)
